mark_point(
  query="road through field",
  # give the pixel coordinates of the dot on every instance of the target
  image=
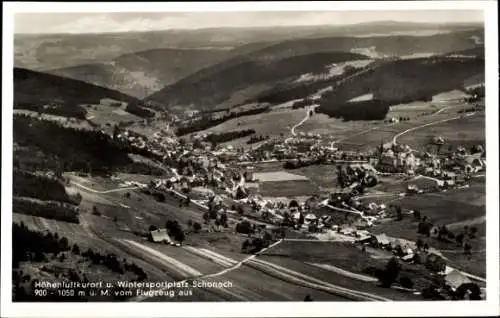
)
(306, 118)
(105, 191)
(395, 138)
(311, 282)
(381, 126)
(211, 255)
(344, 272)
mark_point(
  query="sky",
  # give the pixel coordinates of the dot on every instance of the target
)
(127, 21)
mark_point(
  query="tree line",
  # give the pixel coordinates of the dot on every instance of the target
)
(256, 139)
(74, 111)
(28, 184)
(48, 209)
(79, 149)
(205, 123)
(139, 111)
(368, 110)
(222, 137)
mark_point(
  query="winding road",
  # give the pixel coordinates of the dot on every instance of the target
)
(306, 118)
(395, 138)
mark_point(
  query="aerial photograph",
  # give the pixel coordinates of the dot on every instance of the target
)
(249, 156)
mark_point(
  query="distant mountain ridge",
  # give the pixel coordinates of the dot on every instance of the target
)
(212, 86)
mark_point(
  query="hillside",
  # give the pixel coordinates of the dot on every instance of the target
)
(141, 73)
(214, 85)
(31, 87)
(243, 76)
(53, 51)
(61, 96)
(402, 81)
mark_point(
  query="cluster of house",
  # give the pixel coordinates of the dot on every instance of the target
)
(401, 158)
(409, 252)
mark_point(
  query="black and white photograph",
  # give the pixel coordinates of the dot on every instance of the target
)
(288, 155)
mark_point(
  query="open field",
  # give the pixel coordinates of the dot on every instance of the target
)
(227, 244)
(467, 131)
(418, 108)
(476, 265)
(334, 127)
(370, 138)
(341, 254)
(273, 123)
(338, 279)
(445, 207)
(322, 176)
(287, 188)
(254, 285)
(276, 176)
(103, 114)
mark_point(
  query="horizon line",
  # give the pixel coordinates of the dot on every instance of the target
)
(449, 23)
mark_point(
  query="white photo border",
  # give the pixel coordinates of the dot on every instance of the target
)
(262, 309)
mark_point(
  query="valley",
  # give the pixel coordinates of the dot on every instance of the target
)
(331, 164)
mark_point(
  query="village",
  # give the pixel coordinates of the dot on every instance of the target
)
(225, 181)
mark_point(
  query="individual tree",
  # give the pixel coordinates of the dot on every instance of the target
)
(196, 227)
(390, 272)
(467, 249)
(420, 244)
(406, 282)
(417, 215)
(472, 290)
(301, 219)
(472, 232)
(223, 219)
(244, 227)
(293, 204)
(399, 213)
(206, 217)
(75, 249)
(240, 210)
(95, 211)
(459, 238)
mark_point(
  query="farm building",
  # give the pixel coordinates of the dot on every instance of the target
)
(425, 183)
(160, 236)
(382, 240)
(455, 279)
(343, 216)
(472, 163)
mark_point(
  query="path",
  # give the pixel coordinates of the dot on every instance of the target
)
(469, 222)
(102, 192)
(222, 272)
(308, 115)
(359, 133)
(377, 127)
(395, 138)
(343, 272)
